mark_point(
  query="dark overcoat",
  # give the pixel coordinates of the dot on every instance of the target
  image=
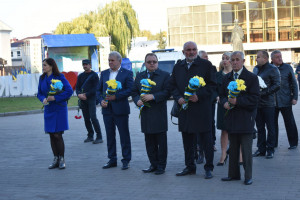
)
(154, 119)
(241, 118)
(197, 117)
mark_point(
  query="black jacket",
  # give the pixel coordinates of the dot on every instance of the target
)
(155, 118)
(288, 87)
(271, 76)
(241, 118)
(197, 117)
(90, 86)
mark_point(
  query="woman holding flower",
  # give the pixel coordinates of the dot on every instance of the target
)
(154, 118)
(55, 105)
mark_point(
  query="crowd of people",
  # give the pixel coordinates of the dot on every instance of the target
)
(257, 100)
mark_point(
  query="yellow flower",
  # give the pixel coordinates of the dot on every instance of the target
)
(54, 81)
(201, 80)
(112, 84)
(240, 85)
(151, 82)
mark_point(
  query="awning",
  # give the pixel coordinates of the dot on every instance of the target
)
(70, 40)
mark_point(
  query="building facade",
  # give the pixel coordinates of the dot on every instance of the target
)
(5, 54)
(267, 25)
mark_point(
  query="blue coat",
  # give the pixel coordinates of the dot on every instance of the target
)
(120, 106)
(56, 112)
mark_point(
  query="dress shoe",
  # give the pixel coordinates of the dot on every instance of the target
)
(97, 141)
(54, 163)
(269, 155)
(109, 165)
(241, 163)
(208, 174)
(258, 153)
(186, 171)
(125, 166)
(293, 147)
(62, 164)
(159, 172)
(88, 139)
(230, 179)
(248, 181)
(150, 169)
(224, 162)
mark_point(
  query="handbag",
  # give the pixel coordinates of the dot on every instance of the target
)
(175, 111)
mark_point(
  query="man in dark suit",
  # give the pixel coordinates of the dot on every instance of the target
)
(266, 107)
(115, 110)
(197, 117)
(240, 117)
(154, 119)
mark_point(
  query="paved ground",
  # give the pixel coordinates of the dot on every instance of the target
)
(25, 155)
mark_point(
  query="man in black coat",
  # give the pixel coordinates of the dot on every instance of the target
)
(197, 117)
(266, 107)
(154, 119)
(240, 117)
(285, 98)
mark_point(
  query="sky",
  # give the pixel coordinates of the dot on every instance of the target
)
(33, 17)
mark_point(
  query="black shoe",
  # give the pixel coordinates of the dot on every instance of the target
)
(269, 155)
(208, 174)
(150, 169)
(54, 163)
(109, 165)
(88, 139)
(62, 164)
(125, 166)
(230, 179)
(293, 147)
(224, 162)
(159, 172)
(186, 171)
(97, 141)
(248, 181)
(241, 163)
(258, 153)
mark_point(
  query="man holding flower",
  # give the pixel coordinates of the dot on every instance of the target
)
(154, 118)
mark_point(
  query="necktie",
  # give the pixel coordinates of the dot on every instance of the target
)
(189, 65)
(235, 75)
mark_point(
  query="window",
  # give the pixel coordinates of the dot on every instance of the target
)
(18, 53)
(12, 54)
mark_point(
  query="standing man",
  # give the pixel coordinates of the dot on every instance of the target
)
(154, 119)
(266, 107)
(285, 98)
(240, 118)
(197, 117)
(298, 74)
(115, 110)
(86, 87)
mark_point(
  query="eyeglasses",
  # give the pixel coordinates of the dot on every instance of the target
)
(151, 61)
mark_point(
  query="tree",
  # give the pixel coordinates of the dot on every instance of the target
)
(161, 37)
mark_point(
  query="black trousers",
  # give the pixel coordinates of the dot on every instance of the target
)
(90, 118)
(290, 125)
(157, 149)
(265, 117)
(245, 142)
(189, 140)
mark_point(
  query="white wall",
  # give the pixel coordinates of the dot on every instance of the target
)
(104, 52)
(5, 49)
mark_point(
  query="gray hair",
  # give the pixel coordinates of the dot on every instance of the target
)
(275, 52)
(116, 54)
(227, 53)
(187, 43)
(201, 52)
(237, 53)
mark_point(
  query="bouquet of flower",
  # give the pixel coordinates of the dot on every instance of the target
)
(262, 83)
(146, 88)
(56, 87)
(194, 83)
(113, 87)
(234, 89)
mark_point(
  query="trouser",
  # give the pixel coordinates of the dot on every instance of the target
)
(157, 149)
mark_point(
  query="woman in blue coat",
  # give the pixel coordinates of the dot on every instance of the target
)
(56, 110)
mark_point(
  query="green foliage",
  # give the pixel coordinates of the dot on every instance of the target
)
(160, 37)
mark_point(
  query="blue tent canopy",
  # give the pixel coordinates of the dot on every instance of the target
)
(126, 64)
(70, 40)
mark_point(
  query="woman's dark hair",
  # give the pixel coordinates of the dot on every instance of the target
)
(52, 63)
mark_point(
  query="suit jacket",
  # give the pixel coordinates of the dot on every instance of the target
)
(155, 118)
(197, 118)
(56, 112)
(120, 106)
(241, 118)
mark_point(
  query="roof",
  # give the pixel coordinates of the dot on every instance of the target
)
(36, 37)
(70, 40)
(4, 27)
(16, 44)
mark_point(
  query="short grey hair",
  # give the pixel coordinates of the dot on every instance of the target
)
(275, 52)
(238, 53)
(227, 53)
(187, 43)
(201, 52)
(116, 54)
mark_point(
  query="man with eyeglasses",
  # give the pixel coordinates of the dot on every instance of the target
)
(197, 117)
(154, 119)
